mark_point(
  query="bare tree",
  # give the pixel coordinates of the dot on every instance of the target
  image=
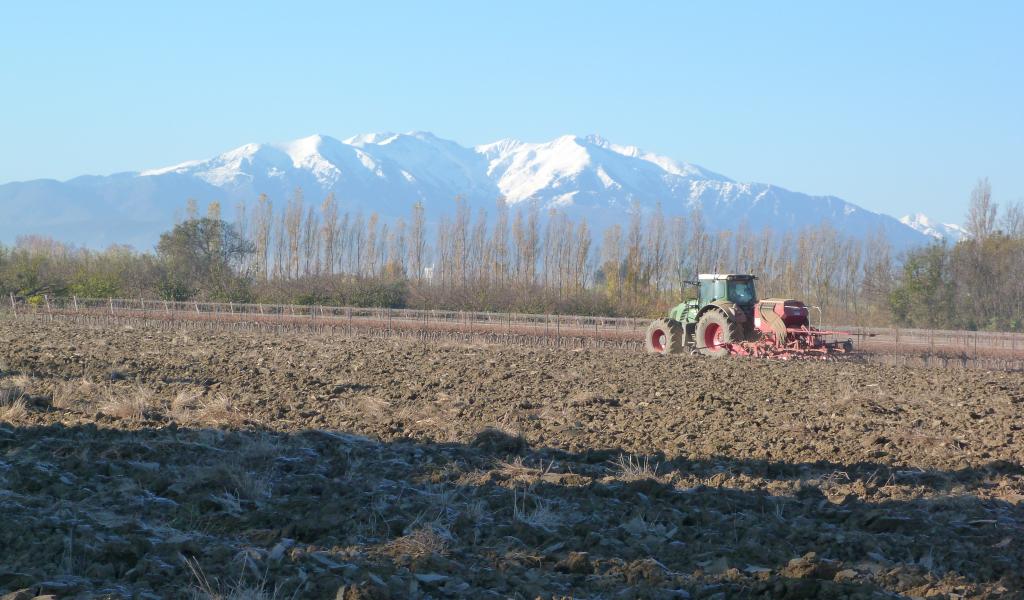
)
(635, 253)
(264, 219)
(280, 247)
(1013, 220)
(293, 225)
(397, 251)
(213, 214)
(581, 257)
(329, 232)
(981, 215)
(478, 259)
(417, 242)
(311, 243)
(370, 251)
(611, 261)
(657, 248)
(498, 251)
(356, 244)
(458, 236)
(531, 241)
(680, 256)
(243, 228)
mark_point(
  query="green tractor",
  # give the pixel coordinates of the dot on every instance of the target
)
(722, 314)
(727, 319)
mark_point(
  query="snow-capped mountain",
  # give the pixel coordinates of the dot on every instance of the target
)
(941, 231)
(387, 173)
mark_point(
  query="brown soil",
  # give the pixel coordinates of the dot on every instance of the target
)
(147, 463)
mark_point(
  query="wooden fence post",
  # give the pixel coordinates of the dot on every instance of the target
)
(14, 306)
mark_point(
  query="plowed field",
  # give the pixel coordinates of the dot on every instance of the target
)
(146, 463)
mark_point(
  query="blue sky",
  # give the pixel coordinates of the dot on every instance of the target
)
(897, 107)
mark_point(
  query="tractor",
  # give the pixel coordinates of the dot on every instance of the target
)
(727, 319)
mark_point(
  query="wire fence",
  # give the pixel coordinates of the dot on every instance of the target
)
(523, 329)
(920, 347)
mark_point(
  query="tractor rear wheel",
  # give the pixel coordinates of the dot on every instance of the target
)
(714, 332)
(664, 336)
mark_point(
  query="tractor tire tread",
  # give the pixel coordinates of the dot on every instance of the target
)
(732, 332)
(673, 332)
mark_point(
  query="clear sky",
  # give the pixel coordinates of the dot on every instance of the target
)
(896, 106)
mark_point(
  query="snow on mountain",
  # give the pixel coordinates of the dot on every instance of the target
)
(920, 222)
(586, 177)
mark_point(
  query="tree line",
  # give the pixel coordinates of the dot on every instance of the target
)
(977, 283)
(527, 259)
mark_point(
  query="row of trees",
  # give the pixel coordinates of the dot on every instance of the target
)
(537, 260)
(976, 284)
(526, 259)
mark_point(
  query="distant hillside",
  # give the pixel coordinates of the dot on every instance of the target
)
(386, 173)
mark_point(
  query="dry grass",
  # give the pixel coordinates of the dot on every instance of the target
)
(369, 408)
(191, 406)
(250, 486)
(69, 394)
(65, 395)
(12, 404)
(216, 411)
(131, 403)
(22, 382)
(204, 589)
(184, 403)
(632, 468)
(517, 471)
(424, 415)
(534, 511)
(260, 447)
(421, 543)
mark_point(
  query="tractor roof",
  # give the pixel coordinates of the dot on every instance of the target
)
(725, 276)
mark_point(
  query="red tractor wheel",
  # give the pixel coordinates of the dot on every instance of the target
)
(664, 336)
(715, 332)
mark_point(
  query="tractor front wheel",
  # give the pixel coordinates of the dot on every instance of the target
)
(715, 332)
(664, 336)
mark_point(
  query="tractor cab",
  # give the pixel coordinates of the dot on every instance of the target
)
(715, 287)
(738, 289)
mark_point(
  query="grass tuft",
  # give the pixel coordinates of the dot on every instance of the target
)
(12, 404)
(633, 468)
(128, 404)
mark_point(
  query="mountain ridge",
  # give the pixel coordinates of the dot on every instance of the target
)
(948, 232)
(584, 176)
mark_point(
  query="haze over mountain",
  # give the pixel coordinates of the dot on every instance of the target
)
(387, 173)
